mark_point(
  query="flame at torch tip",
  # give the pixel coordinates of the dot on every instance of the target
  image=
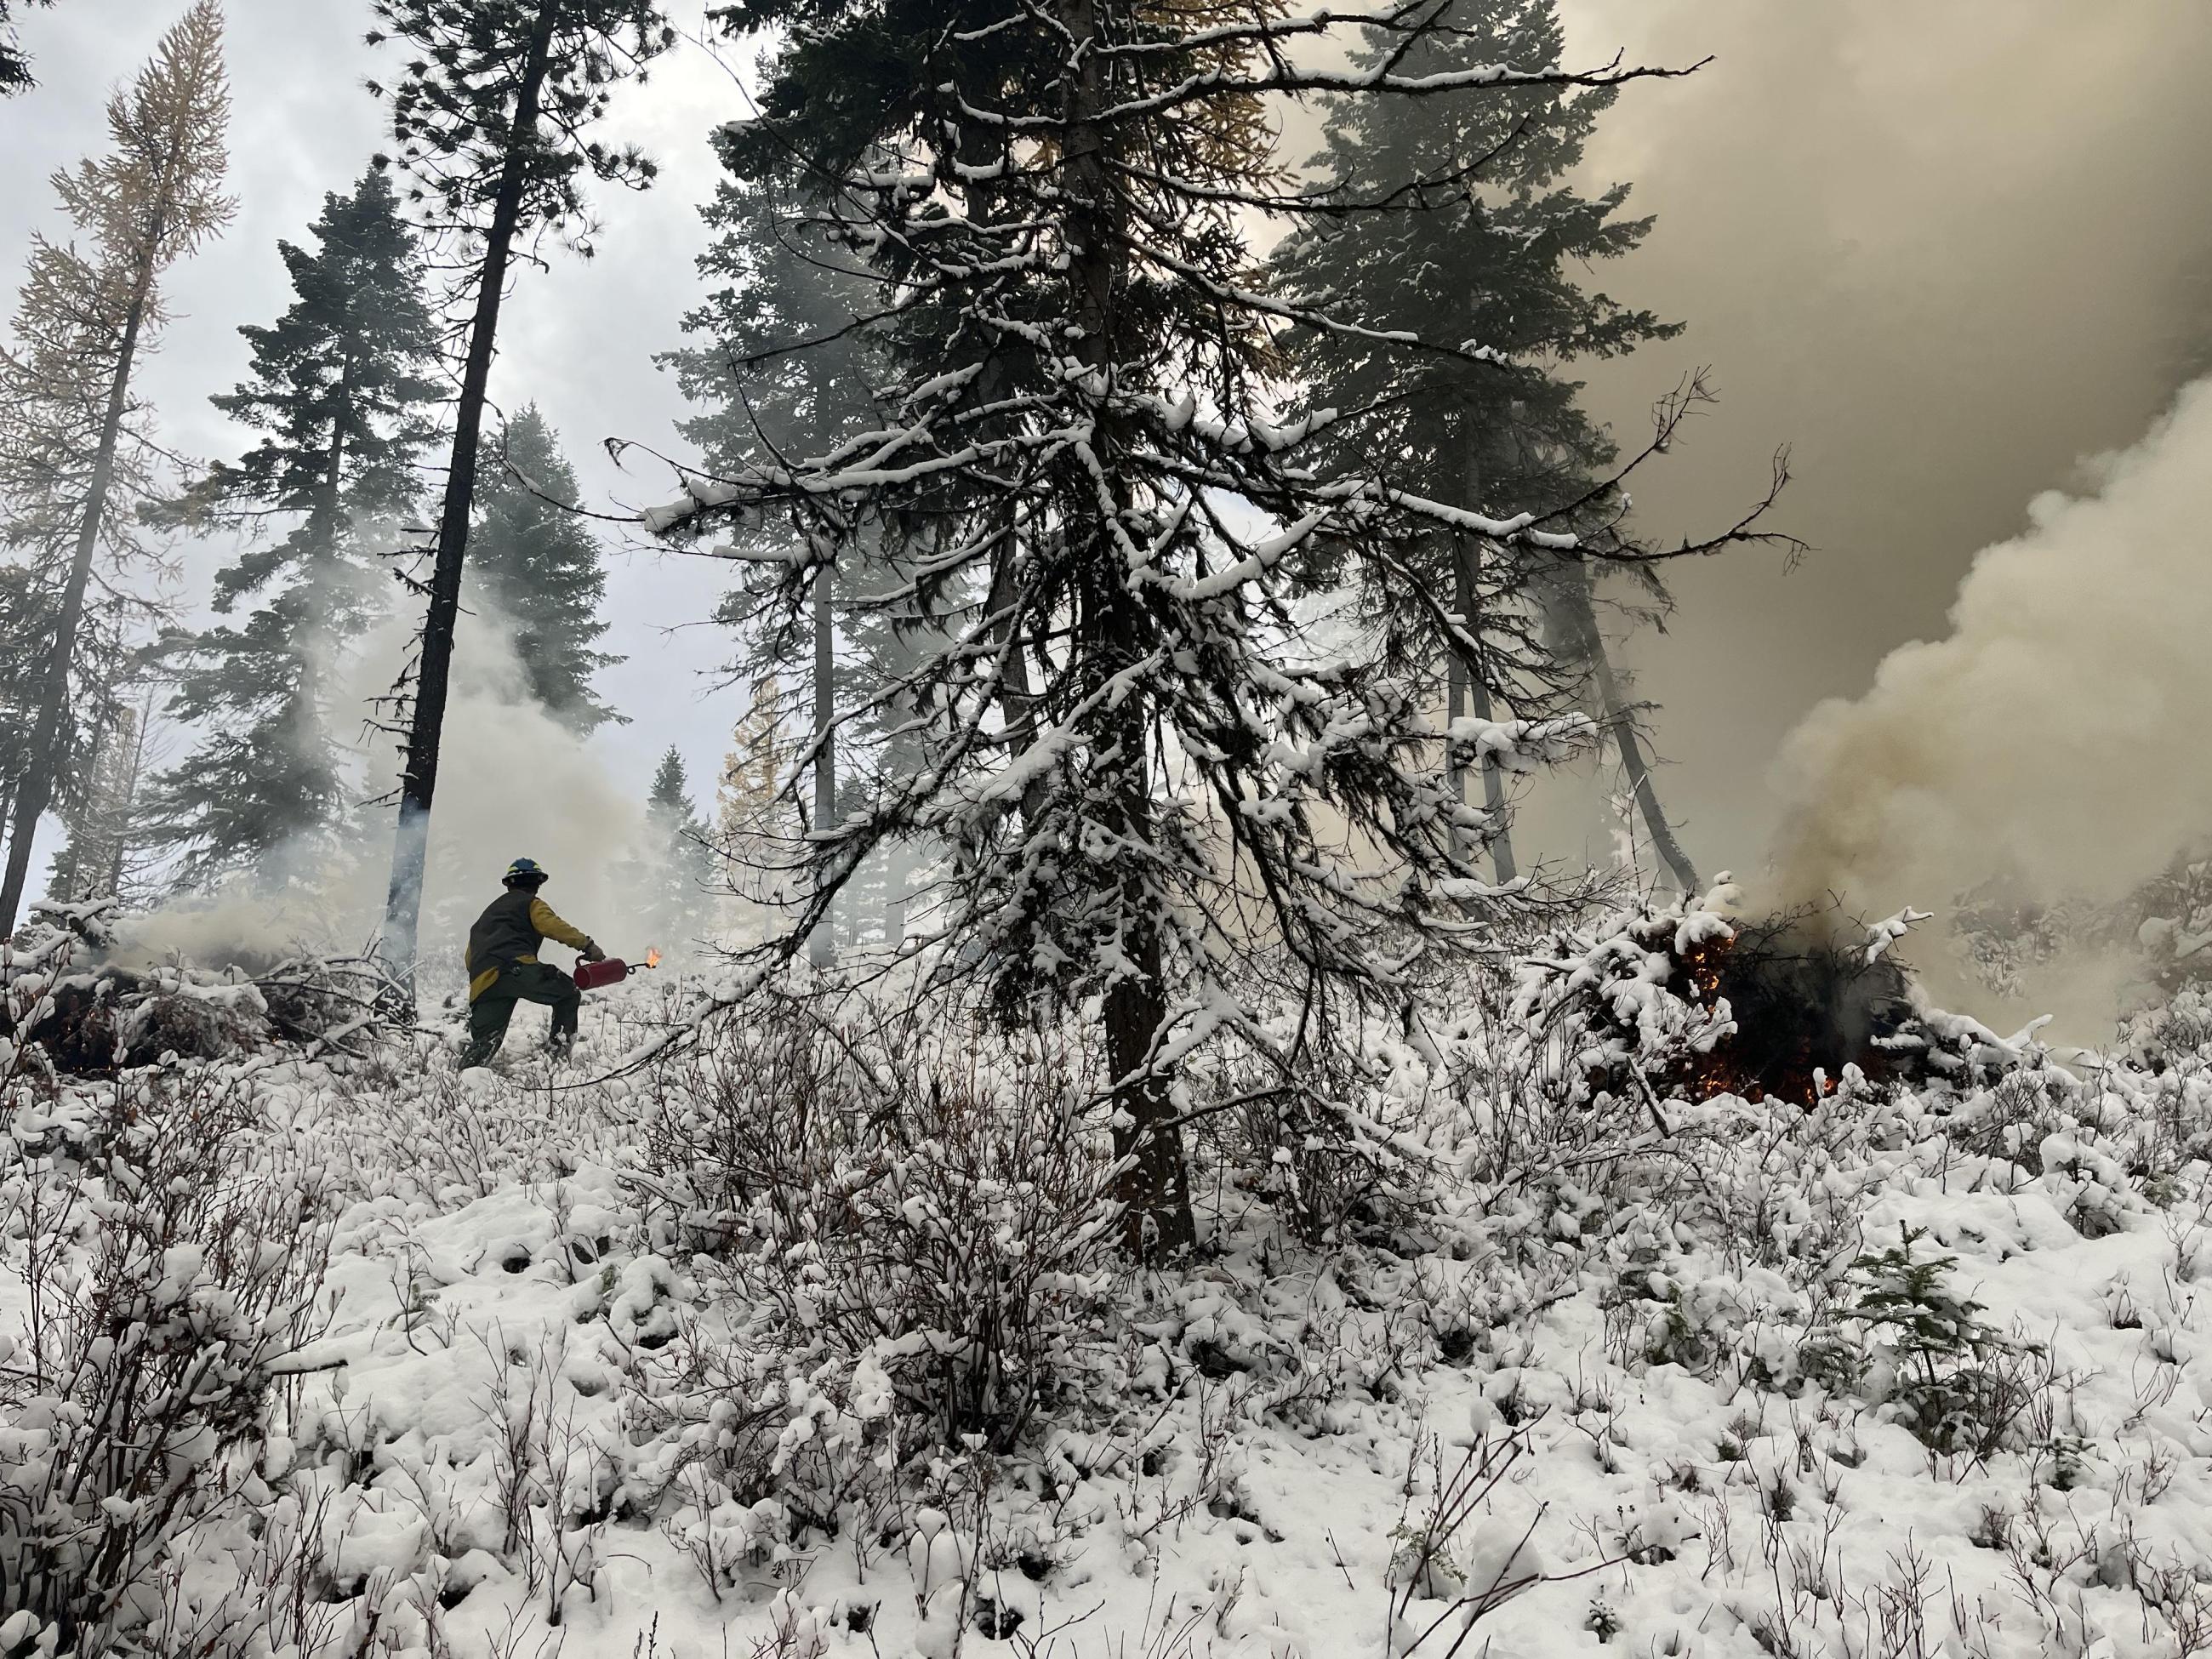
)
(652, 957)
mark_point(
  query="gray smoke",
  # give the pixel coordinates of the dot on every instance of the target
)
(512, 781)
(1943, 251)
(2053, 741)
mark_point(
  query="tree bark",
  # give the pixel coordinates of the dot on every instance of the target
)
(822, 944)
(1154, 1184)
(419, 777)
(1619, 721)
(1467, 691)
(36, 790)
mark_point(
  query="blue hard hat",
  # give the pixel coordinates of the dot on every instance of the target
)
(524, 870)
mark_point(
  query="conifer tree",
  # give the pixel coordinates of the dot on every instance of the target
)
(539, 569)
(780, 281)
(883, 649)
(493, 114)
(678, 861)
(747, 797)
(342, 393)
(1180, 774)
(1495, 258)
(103, 826)
(71, 443)
(15, 67)
(752, 811)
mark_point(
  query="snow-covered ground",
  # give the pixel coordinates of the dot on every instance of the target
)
(1575, 1387)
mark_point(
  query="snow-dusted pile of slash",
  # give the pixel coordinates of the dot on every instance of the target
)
(810, 1339)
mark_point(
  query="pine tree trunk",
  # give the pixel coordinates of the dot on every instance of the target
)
(1620, 722)
(419, 779)
(1468, 692)
(980, 148)
(127, 804)
(822, 944)
(1154, 1185)
(36, 790)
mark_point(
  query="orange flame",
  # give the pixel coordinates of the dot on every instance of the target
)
(653, 956)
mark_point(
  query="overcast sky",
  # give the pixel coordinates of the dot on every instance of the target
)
(1945, 250)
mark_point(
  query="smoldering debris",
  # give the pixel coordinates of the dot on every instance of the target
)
(92, 1006)
(2046, 742)
(1691, 1002)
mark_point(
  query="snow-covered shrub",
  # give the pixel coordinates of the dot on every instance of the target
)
(1615, 1003)
(922, 1241)
(1319, 1146)
(324, 1001)
(1467, 1552)
(285, 1580)
(161, 1290)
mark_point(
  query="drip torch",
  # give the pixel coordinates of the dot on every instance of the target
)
(613, 971)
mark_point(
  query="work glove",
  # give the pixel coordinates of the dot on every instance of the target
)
(592, 952)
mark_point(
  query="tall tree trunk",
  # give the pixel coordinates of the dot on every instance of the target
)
(895, 880)
(1154, 1185)
(1619, 721)
(822, 945)
(36, 790)
(1467, 690)
(419, 778)
(980, 148)
(126, 807)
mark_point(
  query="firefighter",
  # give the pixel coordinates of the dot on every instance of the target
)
(503, 968)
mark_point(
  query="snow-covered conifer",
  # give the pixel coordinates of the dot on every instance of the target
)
(1144, 772)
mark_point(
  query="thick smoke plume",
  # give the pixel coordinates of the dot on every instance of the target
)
(512, 781)
(1941, 251)
(2054, 742)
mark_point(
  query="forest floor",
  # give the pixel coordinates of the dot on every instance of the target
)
(1913, 1372)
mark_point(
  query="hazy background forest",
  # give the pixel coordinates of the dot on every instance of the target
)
(1919, 245)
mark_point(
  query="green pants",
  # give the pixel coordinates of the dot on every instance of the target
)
(526, 981)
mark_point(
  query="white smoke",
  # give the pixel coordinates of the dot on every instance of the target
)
(512, 781)
(2055, 740)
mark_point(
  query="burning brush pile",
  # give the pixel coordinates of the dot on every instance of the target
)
(1683, 1002)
